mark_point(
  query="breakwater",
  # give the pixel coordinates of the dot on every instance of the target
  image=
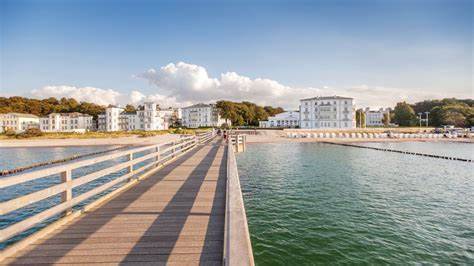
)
(401, 151)
(75, 157)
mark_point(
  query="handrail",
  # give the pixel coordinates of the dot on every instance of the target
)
(161, 156)
(237, 245)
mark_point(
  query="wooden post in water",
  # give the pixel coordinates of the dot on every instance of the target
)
(67, 194)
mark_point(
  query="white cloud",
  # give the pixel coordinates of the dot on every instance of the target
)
(89, 94)
(101, 96)
(183, 84)
(191, 83)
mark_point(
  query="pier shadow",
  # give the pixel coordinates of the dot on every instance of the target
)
(93, 220)
(168, 226)
(217, 211)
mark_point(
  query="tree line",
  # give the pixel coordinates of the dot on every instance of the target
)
(448, 111)
(246, 113)
(46, 106)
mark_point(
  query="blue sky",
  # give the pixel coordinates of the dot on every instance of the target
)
(401, 46)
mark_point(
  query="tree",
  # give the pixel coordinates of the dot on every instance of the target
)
(130, 108)
(226, 110)
(386, 119)
(360, 118)
(404, 115)
(245, 113)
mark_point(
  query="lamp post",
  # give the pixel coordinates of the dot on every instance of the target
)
(419, 117)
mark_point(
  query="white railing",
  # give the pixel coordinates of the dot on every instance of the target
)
(237, 245)
(161, 154)
(239, 142)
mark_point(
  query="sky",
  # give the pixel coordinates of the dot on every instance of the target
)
(269, 52)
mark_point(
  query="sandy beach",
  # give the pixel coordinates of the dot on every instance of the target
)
(133, 140)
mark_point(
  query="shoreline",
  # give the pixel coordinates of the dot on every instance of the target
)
(70, 142)
(258, 139)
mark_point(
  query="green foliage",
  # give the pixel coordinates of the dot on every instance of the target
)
(404, 115)
(47, 106)
(130, 108)
(448, 111)
(386, 119)
(360, 118)
(10, 133)
(30, 132)
(245, 113)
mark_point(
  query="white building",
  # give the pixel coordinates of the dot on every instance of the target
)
(375, 118)
(109, 121)
(148, 117)
(66, 122)
(18, 122)
(289, 119)
(333, 112)
(202, 115)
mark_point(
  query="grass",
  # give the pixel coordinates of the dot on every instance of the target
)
(100, 135)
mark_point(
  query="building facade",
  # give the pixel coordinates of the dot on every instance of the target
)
(66, 122)
(18, 122)
(289, 119)
(333, 112)
(202, 115)
(375, 118)
(110, 120)
(148, 117)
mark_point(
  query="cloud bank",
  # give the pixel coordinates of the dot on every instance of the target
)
(183, 84)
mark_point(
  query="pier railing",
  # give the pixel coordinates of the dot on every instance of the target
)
(239, 142)
(159, 155)
(237, 245)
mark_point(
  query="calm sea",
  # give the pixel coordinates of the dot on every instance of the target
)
(310, 203)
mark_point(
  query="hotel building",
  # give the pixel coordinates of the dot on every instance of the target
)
(289, 119)
(66, 122)
(18, 122)
(332, 112)
(375, 118)
(202, 115)
(148, 117)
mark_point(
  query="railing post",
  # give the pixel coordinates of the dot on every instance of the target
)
(67, 194)
(130, 167)
(173, 150)
(158, 155)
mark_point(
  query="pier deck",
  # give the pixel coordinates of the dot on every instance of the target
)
(175, 216)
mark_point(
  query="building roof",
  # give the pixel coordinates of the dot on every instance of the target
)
(128, 113)
(72, 114)
(335, 97)
(23, 115)
(200, 105)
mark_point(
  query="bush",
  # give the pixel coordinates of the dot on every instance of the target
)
(30, 132)
(10, 133)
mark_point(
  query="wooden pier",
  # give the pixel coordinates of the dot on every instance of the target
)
(187, 211)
